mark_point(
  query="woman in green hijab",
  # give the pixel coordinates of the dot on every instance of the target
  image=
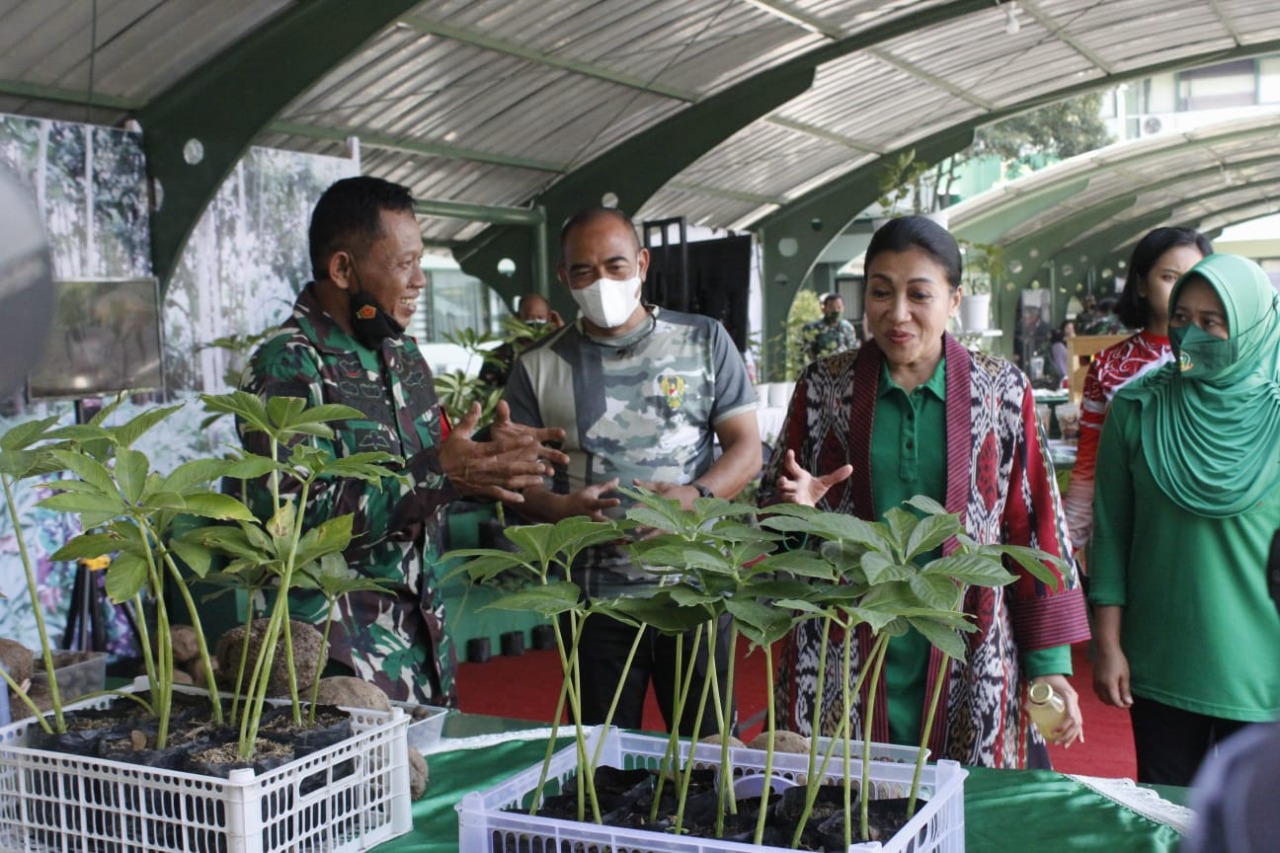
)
(1187, 501)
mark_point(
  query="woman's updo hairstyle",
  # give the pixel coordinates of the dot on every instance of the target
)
(917, 232)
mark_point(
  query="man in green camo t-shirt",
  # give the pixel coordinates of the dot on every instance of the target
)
(644, 396)
(345, 343)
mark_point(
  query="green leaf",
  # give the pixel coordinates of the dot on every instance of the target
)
(683, 595)
(86, 504)
(761, 624)
(1033, 560)
(247, 407)
(973, 569)
(322, 414)
(944, 639)
(282, 410)
(936, 591)
(132, 467)
(656, 612)
(233, 541)
(876, 620)
(87, 546)
(125, 577)
(672, 552)
(88, 469)
(328, 537)
(829, 525)
(214, 505)
(927, 505)
(197, 473)
(16, 464)
(549, 600)
(127, 433)
(531, 542)
(482, 564)
(930, 533)
(250, 467)
(199, 560)
(881, 569)
(804, 564)
(901, 525)
(25, 434)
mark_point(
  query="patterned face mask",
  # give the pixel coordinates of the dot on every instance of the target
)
(608, 302)
(1200, 354)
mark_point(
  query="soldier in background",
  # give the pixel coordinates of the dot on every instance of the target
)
(345, 343)
(832, 333)
(539, 318)
(641, 394)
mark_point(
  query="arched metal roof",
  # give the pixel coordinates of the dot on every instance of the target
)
(1203, 178)
(505, 103)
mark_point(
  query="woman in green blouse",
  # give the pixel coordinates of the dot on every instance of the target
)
(1187, 501)
(913, 412)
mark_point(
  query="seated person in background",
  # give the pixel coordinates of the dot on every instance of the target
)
(831, 334)
(535, 312)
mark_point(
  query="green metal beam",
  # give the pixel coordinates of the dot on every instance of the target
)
(478, 212)
(988, 225)
(438, 28)
(225, 102)
(58, 95)
(411, 145)
(795, 220)
(932, 79)
(819, 133)
(638, 167)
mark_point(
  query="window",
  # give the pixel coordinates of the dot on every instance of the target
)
(1232, 84)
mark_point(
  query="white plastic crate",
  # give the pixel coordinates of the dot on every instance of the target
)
(424, 733)
(356, 796)
(483, 826)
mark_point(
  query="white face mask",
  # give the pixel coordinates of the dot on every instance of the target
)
(608, 302)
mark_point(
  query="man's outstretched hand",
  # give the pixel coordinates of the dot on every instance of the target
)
(515, 457)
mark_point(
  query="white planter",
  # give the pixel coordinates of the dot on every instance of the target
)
(975, 312)
(55, 801)
(484, 826)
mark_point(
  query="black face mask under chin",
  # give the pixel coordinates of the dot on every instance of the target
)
(370, 324)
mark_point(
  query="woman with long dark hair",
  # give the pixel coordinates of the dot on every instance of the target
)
(913, 412)
(1158, 260)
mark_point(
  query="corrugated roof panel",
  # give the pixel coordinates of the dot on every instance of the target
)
(696, 208)
(1255, 20)
(765, 160)
(143, 46)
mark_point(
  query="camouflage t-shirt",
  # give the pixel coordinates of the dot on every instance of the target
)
(641, 407)
(397, 639)
(822, 339)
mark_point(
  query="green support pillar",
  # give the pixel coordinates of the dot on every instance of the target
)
(197, 129)
(796, 236)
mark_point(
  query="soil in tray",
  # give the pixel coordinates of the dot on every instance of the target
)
(626, 798)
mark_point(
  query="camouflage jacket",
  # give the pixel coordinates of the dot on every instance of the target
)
(397, 639)
(822, 339)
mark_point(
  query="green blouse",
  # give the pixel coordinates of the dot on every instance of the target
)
(1199, 628)
(908, 458)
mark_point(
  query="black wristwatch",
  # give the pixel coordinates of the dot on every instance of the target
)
(703, 490)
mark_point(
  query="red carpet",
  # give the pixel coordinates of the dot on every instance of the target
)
(526, 688)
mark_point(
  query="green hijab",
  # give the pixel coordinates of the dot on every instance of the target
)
(1210, 421)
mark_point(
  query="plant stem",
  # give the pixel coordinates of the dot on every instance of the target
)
(670, 758)
(36, 608)
(724, 713)
(928, 732)
(586, 782)
(144, 638)
(815, 727)
(617, 696)
(17, 690)
(864, 796)
(211, 683)
(324, 654)
(686, 775)
(768, 755)
(162, 686)
(555, 721)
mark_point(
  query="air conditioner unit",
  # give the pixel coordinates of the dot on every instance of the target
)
(1150, 125)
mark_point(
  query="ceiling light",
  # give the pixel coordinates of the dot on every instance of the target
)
(1011, 25)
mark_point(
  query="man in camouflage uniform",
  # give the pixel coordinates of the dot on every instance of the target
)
(640, 393)
(345, 344)
(832, 333)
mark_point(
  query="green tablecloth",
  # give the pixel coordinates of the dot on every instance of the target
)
(1005, 810)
